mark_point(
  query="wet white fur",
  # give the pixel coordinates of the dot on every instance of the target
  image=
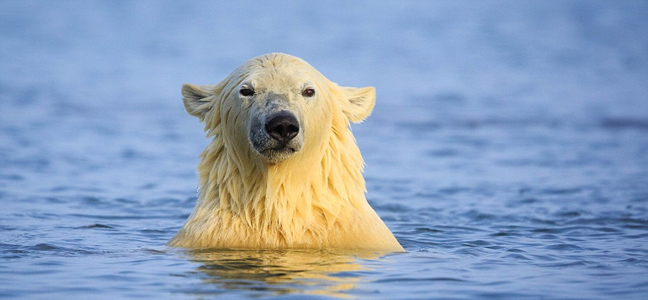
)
(313, 199)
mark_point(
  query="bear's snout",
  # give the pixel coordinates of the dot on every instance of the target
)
(283, 126)
(276, 136)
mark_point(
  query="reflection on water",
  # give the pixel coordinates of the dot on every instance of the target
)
(282, 272)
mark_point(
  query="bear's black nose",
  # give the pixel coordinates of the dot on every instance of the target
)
(283, 126)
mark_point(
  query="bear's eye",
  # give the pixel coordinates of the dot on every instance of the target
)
(246, 92)
(309, 92)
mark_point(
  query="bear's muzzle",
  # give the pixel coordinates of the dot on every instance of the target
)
(282, 126)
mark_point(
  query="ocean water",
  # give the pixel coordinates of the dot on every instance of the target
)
(508, 150)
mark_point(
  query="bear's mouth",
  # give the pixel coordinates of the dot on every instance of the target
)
(272, 151)
(279, 150)
(277, 154)
(289, 150)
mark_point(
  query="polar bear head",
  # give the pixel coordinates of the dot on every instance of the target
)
(275, 107)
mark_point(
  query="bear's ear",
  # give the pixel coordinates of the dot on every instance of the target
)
(197, 99)
(359, 102)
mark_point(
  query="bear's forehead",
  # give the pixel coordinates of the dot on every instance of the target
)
(277, 76)
(275, 60)
(276, 71)
(278, 64)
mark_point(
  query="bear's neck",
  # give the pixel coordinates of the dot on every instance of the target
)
(308, 192)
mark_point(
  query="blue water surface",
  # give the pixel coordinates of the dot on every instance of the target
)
(508, 150)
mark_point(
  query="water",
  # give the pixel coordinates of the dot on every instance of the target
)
(508, 150)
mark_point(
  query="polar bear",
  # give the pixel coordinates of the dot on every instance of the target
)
(283, 169)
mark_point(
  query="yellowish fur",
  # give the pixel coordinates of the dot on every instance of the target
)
(314, 199)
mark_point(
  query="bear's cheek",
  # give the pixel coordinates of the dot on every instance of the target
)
(317, 124)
